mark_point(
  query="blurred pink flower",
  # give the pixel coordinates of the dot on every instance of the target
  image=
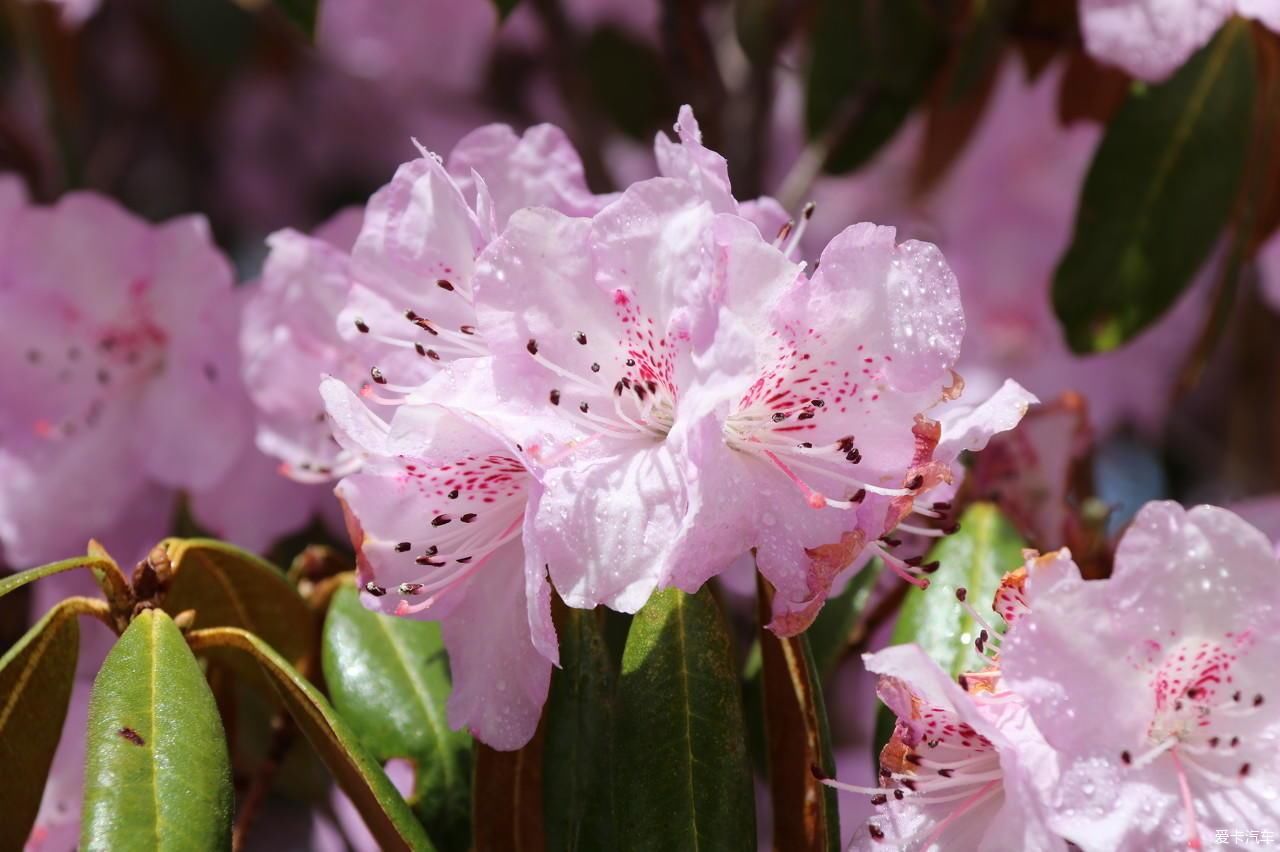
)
(1003, 216)
(118, 337)
(1150, 39)
(1154, 685)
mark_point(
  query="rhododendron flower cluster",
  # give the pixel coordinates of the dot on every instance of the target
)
(1106, 714)
(615, 394)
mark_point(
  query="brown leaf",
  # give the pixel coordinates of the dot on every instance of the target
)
(507, 798)
(796, 728)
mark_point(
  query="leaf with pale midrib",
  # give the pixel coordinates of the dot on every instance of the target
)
(1158, 194)
(389, 678)
(681, 779)
(36, 676)
(157, 774)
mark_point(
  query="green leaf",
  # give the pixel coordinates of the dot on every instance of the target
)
(1159, 191)
(230, 587)
(805, 812)
(976, 558)
(104, 569)
(389, 679)
(828, 636)
(681, 777)
(578, 810)
(872, 62)
(36, 676)
(385, 813)
(157, 774)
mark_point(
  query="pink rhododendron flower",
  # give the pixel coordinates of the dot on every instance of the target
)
(289, 341)
(731, 399)
(963, 767)
(1151, 38)
(414, 260)
(117, 337)
(1156, 686)
(437, 514)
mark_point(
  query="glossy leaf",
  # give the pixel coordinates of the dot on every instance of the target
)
(36, 676)
(230, 587)
(104, 569)
(975, 558)
(805, 812)
(681, 777)
(507, 801)
(385, 812)
(986, 548)
(577, 800)
(157, 774)
(389, 679)
(872, 62)
(1158, 193)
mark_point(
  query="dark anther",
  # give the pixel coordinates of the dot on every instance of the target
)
(554, 396)
(532, 346)
(946, 773)
(876, 832)
(859, 496)
(879, 799)
(853, 456)
(453, 495)
(1257, 700)
(583, 407)
(631, 362)
(440, 520)
(374, 589)
(444, 285)
(805, 415)
(377, 375)
(467, 329)
(805, 445)
(617, 389)
(425, 559)
(362, 326)
(581, 338)
(468, 517)
(845, 444)
(410, 588)
(816, 403)
(779, 416)
(595, 368)
(951, 530)
(915, 482)
(962, 593)
(1126, 758)
(404, 546)
(433, 355)
(420, 349)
